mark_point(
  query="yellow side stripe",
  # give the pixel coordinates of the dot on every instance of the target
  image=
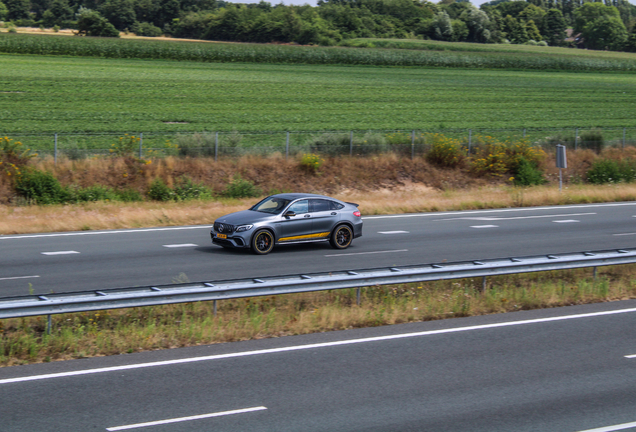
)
(305, 237)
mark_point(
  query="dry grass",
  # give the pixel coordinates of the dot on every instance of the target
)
(382, 185)
(131, 330)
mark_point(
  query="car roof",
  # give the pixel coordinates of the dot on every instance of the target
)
(295, 196)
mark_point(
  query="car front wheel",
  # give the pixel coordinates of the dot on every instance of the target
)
(262, 242)
(341, 237)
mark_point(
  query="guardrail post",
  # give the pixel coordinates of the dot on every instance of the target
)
(55, 151)
(595, 273)
(524, 132)
(214, 308)
(358, 296)
(48, 325)
(483, 284)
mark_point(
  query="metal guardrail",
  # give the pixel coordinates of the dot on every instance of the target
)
(57, 303)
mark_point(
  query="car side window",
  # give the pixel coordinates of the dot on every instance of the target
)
(298, 207)
(319, 205)
(335, 206)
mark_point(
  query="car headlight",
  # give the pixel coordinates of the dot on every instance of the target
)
(244, 228)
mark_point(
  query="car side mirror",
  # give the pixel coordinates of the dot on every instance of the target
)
(289, 214)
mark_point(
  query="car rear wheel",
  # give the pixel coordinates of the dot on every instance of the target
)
(262, 242)
(341, 237)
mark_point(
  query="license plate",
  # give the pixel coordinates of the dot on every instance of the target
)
(221, 236)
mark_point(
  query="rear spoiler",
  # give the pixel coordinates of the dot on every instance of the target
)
(353, 204)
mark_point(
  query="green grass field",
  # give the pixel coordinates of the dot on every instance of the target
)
(63, 94)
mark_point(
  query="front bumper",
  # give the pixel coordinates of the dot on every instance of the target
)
(234, 240)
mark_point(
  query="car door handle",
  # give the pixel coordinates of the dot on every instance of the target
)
(333, 213)
(307, 215)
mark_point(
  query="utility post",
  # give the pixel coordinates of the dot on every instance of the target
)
(561, 162)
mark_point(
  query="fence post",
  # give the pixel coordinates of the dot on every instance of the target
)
(287, 146)
(624, 137)
(55, 151)
(216, 146)
(351, 143)
(141, 143)
(413, 145)
(470, 139)
(576, 138)
(524, 132)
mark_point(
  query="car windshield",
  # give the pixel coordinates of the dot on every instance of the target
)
(273, 205)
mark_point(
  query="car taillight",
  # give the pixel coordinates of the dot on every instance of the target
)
(357, 213)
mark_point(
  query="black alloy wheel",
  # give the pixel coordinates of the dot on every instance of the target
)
(341, 237)
(262, 242)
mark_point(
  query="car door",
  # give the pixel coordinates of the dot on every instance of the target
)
(324, 216)
(297, 227)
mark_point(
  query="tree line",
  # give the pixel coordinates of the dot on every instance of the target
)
(608, 25)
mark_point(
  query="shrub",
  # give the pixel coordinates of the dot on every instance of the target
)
(311, 162)
(241, 188)
(371, 143)
(159, 191)
(126, 146)
(41, 187)
(146, 29)
(91, 194)
(445, 152)
(187, 189)
(195, 145)
(527, 174)
(495, 158)
(331, 144)
(13, 152)
(593, 140)
(610, 171)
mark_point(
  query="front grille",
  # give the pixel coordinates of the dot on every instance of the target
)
(223, 228)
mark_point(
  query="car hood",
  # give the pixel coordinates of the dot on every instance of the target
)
(244, 217)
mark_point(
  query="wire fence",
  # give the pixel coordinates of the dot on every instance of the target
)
(290, 144)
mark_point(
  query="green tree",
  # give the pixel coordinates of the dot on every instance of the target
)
(17, 9)
(478, 25)
(630, 45)
(554, 28)
(443, 27)
(532, 31)
(606, 32)
(515, 31)
(91, 23)
(4, 12)
(120, 13)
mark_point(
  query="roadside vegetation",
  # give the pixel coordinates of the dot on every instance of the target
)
(123, 331)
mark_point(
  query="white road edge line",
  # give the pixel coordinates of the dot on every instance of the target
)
(102, 232)
(433, 214)
(630, 356)
(393, 232)
(566, 221)
(59, 253)
(180, 245)
(183, 419)
(20, 277)
(314, 346)
(625, 234)
(367, 253)
(514, 218)
(612, 428)
(485, 226)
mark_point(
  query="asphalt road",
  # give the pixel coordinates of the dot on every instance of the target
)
(62, 262)
(567, 369)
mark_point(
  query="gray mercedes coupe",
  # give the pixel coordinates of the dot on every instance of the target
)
(289, 218)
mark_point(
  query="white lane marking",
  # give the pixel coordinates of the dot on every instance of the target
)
(60, 253)
(612, 428)
(566, 221)
(315, 346)
(183, 419)
(485, 226)
(20, 277)
(624, 234)
(180, 245)
(630, 356)
(498, 211)
(516, 217)
(367, 253)
(102, 232)
(393, 232)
